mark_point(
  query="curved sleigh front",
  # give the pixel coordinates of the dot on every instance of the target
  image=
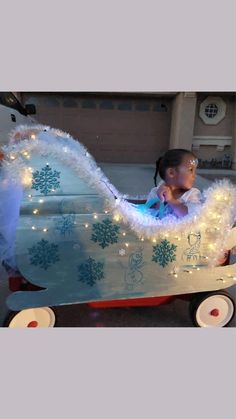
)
(80, 240)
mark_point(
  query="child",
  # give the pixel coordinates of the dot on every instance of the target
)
(177, 169)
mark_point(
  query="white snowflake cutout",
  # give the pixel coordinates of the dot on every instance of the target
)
(122, 252)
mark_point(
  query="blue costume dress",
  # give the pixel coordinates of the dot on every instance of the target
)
(191, 198)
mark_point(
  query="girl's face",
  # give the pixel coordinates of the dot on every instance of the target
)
(186, 172)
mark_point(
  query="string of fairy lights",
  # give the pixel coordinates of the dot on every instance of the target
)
(214, 218)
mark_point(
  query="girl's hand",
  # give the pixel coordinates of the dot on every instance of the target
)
(164, 193)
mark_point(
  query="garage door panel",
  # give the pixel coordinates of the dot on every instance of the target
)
(132, 123)
(126, 142)
(113, 122)
(48, 118)
(121, 131)
(139, 147)
(123, 157)
(128, 136)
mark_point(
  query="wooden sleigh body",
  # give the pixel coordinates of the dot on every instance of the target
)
(80, 241)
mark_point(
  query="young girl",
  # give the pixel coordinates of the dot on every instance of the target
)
(177, 169)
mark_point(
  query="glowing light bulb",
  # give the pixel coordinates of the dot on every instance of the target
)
(86, 225)
(33, 228)
(124, 234)
(35, 211)
(33, 136)
(26, 177)
(95, 216)
(41, 201)
(127, 244)
(45, 230)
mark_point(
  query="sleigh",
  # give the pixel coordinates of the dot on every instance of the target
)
(78, 240)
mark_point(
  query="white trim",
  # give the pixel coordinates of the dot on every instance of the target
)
(219, 141)
(221, 105)
(190, 94)
(217, 137)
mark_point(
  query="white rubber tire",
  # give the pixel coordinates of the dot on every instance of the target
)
(33, 318)
(215, 310)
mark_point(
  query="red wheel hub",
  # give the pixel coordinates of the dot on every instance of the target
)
(215, 312)
(34, 323)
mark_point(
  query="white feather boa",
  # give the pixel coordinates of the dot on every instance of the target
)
(216, 213)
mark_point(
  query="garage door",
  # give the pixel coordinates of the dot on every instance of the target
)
(114, 129)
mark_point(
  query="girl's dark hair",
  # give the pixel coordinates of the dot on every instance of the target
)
(172, 158)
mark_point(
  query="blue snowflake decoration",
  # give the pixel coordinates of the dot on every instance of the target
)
(164, 253)
(65, 224)
(44, 254)
(46, 180)
(91, 271)
(105, 233)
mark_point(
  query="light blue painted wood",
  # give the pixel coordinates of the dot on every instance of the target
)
(79, 258)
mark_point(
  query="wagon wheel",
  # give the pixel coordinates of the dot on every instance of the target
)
(214, 309)
(31, 317)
